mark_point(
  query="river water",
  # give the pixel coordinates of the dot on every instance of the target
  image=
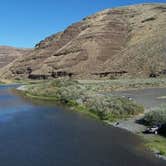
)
(37, 133)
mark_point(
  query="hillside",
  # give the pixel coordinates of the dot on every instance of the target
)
(120, 42)
(9, 54)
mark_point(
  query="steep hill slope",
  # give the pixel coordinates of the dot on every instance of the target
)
(126, 41)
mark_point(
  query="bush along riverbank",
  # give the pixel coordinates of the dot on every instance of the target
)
(85, 98)
(157, 143)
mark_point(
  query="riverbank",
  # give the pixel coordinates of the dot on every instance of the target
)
(155, 143)
(89, 97)
(85, 98)
(4, 81)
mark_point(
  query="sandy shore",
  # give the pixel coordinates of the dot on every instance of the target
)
(131, 124)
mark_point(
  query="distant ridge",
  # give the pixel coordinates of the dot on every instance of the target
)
(9, 54)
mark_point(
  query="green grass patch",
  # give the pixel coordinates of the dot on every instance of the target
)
(156, 143)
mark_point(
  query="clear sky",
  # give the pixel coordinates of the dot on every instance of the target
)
(23, 23)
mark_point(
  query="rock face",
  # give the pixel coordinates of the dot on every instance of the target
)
(121, 42)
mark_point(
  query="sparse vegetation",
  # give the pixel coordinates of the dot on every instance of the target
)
(122, 84)
(87, 98)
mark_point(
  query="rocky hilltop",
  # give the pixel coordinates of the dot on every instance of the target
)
(120, 42)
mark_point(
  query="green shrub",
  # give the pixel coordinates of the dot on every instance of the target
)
(111, 107)
(156, 117)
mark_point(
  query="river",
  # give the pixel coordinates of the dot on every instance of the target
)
(37, 133)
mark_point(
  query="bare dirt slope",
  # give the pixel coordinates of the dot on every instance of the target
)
(126, 41)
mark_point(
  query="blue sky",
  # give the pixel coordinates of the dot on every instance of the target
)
(23, 23)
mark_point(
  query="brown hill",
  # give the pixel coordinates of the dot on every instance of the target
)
(126, 41)
(9, 54)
